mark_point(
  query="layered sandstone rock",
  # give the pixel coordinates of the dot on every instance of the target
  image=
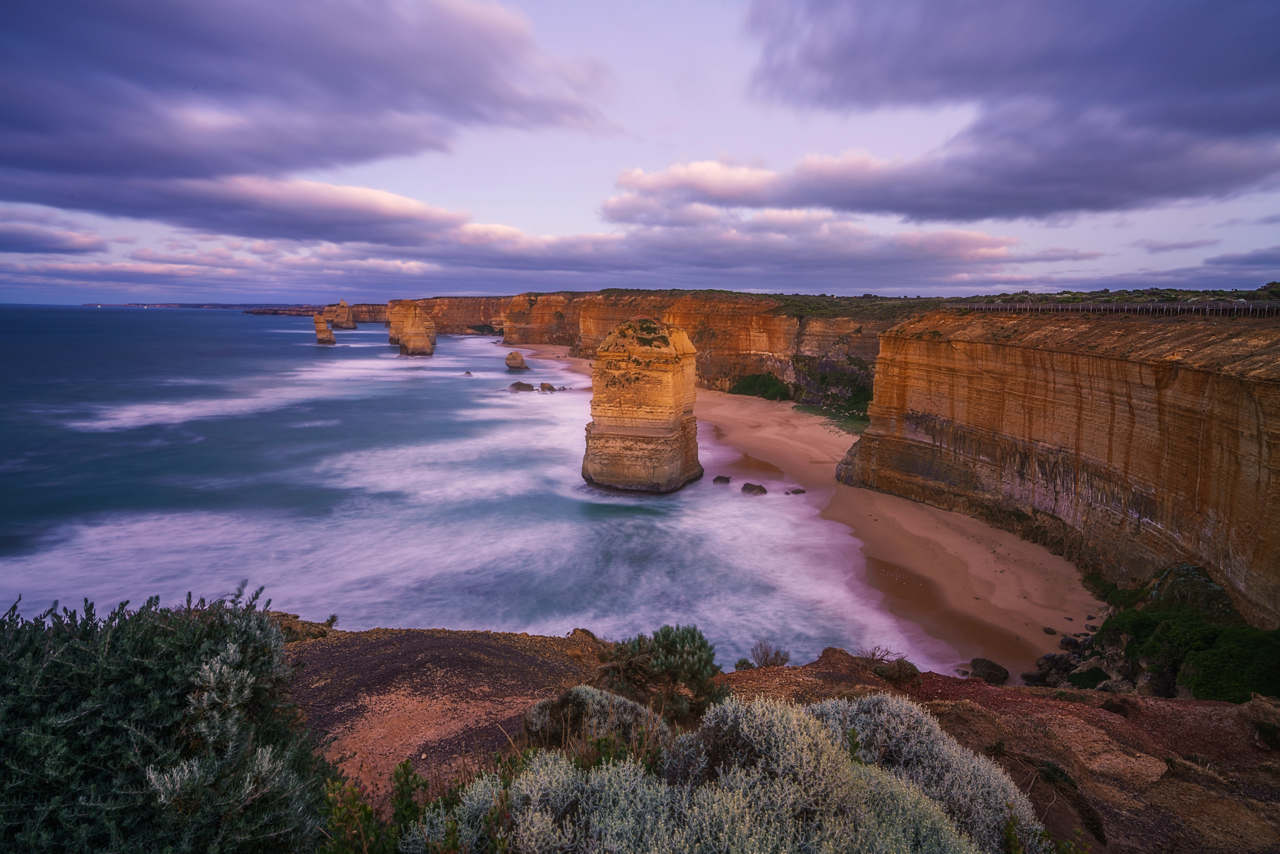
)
(515, 362)
(369, 312)
(397, 311)
(643, 434)
(1127, 444)
(417, 332)
(544, 318)
(324, 335)
(342, 316)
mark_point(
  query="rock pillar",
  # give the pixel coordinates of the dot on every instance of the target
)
(418, 332)
(342, 316)
(324, 335)
(643, 435)
(397, 309)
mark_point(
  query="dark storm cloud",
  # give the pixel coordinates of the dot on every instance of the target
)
(1156, 247)
(1084, 106)
(101, 101)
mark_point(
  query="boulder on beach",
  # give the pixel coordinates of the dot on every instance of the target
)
(754, 489)
(720, 478)
(515, 362)
(546, 387)
(520, 387)
(988, 671)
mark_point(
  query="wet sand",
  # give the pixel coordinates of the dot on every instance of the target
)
(981, 591)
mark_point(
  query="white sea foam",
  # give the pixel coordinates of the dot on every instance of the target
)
(487, 526)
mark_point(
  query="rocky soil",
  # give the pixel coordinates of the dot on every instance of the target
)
(1134, 774)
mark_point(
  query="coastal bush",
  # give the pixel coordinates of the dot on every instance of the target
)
(1190, 632)
(671, 668)
(898, 736)
(899, 671)
(765, 654)
(762, 385)
(587, 713)
(153, 730)
(753, 777)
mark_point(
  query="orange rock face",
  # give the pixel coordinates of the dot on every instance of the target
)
(544, 318)
(417, 334)
(324, 335)
(643, 435)
(369, 312)
(1127, 444)
(342, 316)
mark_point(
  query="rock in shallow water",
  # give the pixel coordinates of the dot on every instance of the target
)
(515, 362)
(720, 478)
(754, 489)
(520, 387)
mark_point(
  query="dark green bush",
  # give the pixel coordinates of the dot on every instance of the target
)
(1113, 594)
(899, 671)
(1091, 678)
(673, 669)
(155, 730)
(762, 385)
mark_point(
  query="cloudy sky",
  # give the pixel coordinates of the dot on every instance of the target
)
(306, 150)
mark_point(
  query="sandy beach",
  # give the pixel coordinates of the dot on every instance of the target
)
(981, 591)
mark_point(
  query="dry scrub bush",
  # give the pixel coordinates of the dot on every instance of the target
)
(900, 737)
(759, 777)
(589, 713)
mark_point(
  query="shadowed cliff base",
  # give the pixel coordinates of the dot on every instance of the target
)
(1126, 444)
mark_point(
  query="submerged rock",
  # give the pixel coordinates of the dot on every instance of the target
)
(546, 387)
(518, 386)
(643, 434)
(720, 478)
(515, 362)
(754, 489)
(324, 335)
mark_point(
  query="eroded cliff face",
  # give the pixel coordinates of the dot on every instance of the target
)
(828, 360)
(369, 312)
(643, 434)
(417, 334)
(342, 316)
(1126, 444)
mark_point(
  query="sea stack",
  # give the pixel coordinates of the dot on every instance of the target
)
(342, 316)
(324, 335)
(515, 362)
(417, 332)
(643, 435)
(397, 309)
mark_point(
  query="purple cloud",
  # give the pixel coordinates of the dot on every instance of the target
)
(20, 237)
(1083, 107)
(159, 109)
(1156, 247)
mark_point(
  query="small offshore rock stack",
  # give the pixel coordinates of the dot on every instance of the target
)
(643, 435)
(515, 362)
(342, 316)
(418, 332)
(397, 310)
(324, 335)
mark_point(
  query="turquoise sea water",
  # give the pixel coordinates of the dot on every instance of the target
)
(160, 451)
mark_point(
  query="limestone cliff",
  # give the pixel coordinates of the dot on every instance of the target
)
(324, 335)
(369, 312)
(544, 318)
(397, 310)
(643, 434)
(417, 331)
(342, 316)
(1127, 444)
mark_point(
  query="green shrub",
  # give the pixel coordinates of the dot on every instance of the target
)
(762, 385)
(155, 730)
(1113, 594)
(1089, 679)
(744, 664)
(586, 713)
(673, 668)
(899, 671)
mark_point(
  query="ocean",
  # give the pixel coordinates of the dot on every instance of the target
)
(156, 452)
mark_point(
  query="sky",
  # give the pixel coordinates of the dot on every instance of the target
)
(311, 150)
